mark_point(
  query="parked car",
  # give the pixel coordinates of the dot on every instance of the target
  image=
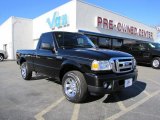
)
(81, 67)
(144, 52)
(3, 55)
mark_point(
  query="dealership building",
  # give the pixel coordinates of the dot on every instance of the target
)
(103, 27)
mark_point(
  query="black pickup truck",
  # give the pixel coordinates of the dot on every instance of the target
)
(81, 67)
(144, 52)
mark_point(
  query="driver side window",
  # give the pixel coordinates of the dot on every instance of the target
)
(138, 47)
(47, 39)
(142, 47)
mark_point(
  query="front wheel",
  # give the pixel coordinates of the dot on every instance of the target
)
(1, 57)
(25, 71)
(156, 63)
(74, 86)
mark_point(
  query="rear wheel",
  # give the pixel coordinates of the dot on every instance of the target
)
(1, 57)
(25, 71)
(74, 86)
(156, 63)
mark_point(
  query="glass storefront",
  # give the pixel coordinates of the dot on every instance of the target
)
(105, 42)
(117, 43)
(109, 42)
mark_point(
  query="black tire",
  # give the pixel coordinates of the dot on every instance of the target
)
(25, 71)
(156, 63)
(79, 84)
(1, 57)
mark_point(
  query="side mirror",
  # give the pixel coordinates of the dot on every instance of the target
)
(47, 46)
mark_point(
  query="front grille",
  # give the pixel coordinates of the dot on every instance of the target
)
(122, 64)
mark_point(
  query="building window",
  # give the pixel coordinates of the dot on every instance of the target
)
(127, 41)
(117, 43)
(104, 42)
(94, 39)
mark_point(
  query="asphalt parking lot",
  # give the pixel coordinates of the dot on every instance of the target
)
(42, 99)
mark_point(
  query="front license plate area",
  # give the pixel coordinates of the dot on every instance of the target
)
(128, 82)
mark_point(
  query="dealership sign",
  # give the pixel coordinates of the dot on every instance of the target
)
(58, 21)
(105, 23)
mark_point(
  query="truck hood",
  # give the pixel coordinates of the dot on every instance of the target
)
(94, 53)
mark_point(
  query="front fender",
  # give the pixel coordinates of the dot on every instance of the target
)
(73, 64)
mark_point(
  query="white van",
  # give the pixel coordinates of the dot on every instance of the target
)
(3, 55)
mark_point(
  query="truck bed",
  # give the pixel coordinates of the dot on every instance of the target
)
(23, 53)
(30, 52)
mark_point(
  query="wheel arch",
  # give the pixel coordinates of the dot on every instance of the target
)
(69, 66)
(154, 56)
(2, 58)
(22, 60)
(2, 54)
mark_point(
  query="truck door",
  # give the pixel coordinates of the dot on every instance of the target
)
(45, 61)
(144, 53)
(135, 51)
(140, 52)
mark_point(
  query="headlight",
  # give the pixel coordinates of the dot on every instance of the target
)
(134, 62)
(101, 65)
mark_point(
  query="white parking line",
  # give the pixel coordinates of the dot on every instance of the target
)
(39, 116)
(75, 112)
(120, 103)
(144, 91)
(115, 116)
(157, 83)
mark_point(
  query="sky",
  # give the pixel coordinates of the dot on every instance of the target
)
(145, 11)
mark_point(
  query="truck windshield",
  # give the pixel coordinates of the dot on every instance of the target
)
(73, 40)
(154, 45)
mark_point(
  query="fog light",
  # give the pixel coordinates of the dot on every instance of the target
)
(110, 86)
(105, 85)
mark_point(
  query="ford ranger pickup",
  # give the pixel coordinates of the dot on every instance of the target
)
(78, 64)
